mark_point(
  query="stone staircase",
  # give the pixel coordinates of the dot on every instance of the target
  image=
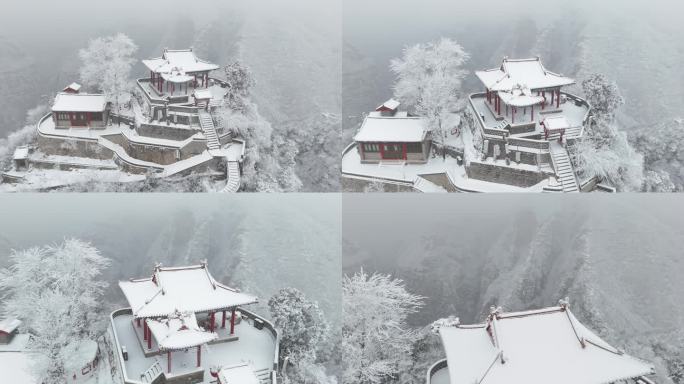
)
(233, 181)
(426, 186)
(264, 376)
(563, 167)
(207, 124)
(151, 373)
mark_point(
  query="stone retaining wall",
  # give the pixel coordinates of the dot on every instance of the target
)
(504, 175)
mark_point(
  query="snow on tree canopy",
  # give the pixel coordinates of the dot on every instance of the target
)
(179, 331)
(529, 73)
(398, 128)
(540, 346)
(79, 102)
(238, 374)
(184, 289)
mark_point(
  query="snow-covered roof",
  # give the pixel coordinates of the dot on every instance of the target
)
(9, 325)
(184, 289)
(179, 331)
(529, 73)
(536, 347)
(20, 153)
(398, 128)
(78, 354)
(183, 61)
(390, 104)
(73, 87)
(520, 97)
(203, 94)
(79, 102)
(556, 123)
(238, 374)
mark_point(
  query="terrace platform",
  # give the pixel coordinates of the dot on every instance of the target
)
(574, 109)
(253, 346)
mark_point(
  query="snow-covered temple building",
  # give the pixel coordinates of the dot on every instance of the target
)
(170, 127)
(15, 359)
(182, 326)
(388, 134)
(537, 347)
(72, 109)
(513, 137)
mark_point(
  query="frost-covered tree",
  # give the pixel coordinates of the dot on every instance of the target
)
(376, 341)
(303, 330)
(429, 80)
(662, 146)
(240, 81)
(604, 151)
(56, 291)
(269, 164)
(301, 322)
(22, 136)
(603, 95)
(106, 66)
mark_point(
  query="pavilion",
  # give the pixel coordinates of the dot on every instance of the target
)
(179, 70)
(522, 83)
(167, 304)
(539, 346)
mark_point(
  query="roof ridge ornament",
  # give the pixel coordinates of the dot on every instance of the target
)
(564, 303)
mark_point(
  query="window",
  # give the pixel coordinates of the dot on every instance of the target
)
(62, 116)
(414, 147)
(371, 147)
(393, 151)
(96, 116)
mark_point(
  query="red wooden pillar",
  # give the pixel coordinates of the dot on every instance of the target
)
(544, 100)
(558, 99)
(223, 321)
(403, 151)
(553, 94)
(382, 150)
(532, 114)
(145, 331)
(512, 114)
(168, 361)
(232, 322)
(212, 319)
(149, 338)
(137, 322)
(206, 84)
(199, 356)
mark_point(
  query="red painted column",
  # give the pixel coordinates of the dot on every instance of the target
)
(512, 115)
(403, 150)
(553, 94)
(168, 360)
(206, 84)
(532, 114)
(558, 99)
(223, 321)
(382, 150)
(137, 321)
(232, 322)
(199, 356)
(145, 331)
(212, 319)
(149, 338)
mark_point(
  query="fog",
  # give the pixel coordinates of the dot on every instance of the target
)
(637, 43)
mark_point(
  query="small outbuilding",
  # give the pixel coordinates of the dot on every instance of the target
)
(80, 110)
